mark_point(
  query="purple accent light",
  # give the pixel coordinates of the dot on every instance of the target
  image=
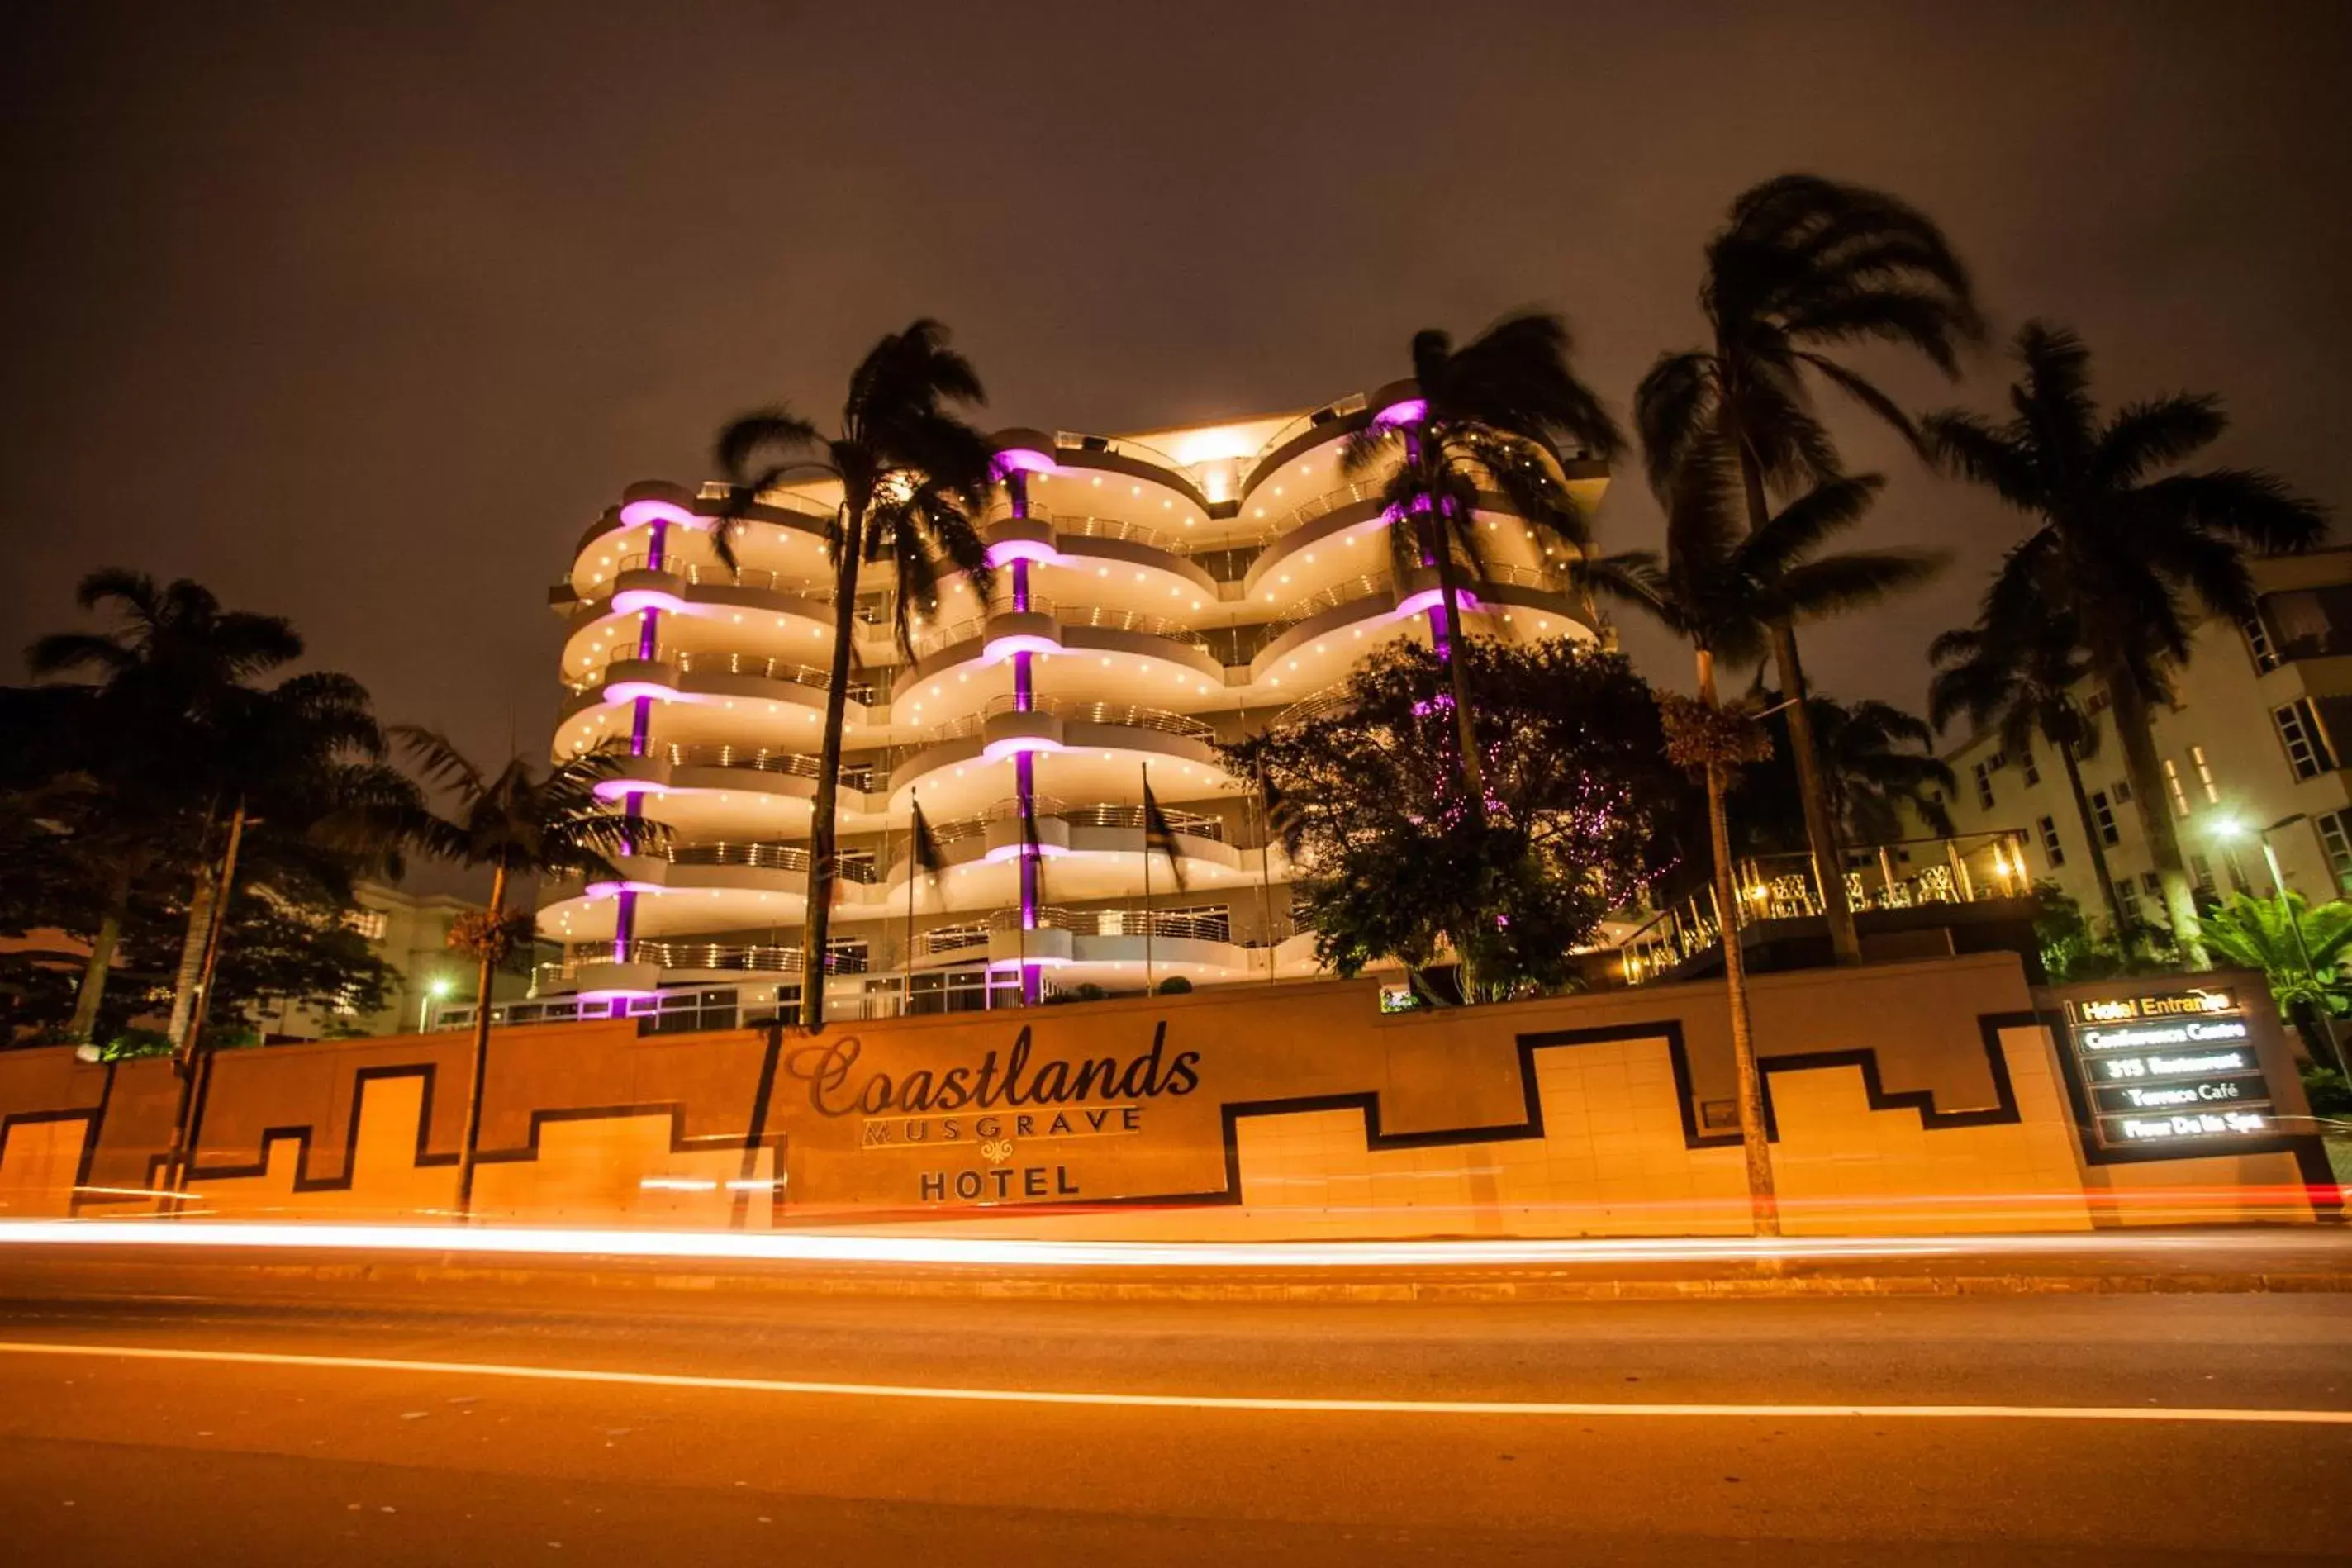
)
(998, 650)
(629, 601)
(637, 513)
(1021, 747)
(631, 690)
(1405, 411)
(625, 891)
(1434, 600)
(1005, 552)
(1021, 460)
(622, 789)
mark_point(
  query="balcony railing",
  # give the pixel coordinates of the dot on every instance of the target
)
(1133, 715)
(1085, 526)
(1216, 927)
(1909, 874)
(1135, 621)
(698, 955)
(797, 764)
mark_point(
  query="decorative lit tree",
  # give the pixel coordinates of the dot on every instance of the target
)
(913, 477)
(1806, 265)
(2121, 550)
(1488, 417)
(1394, 864)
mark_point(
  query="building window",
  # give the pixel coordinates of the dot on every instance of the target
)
(2337, 845)
(2052, 849)
(2153, 886)
(2173, 786)
(2258, 644)
(2122, 791)
(2032, 774)
(1984, 785)
(2205, 775)
(2298, 731)
(2098, 703)
(372, 924)
(2203, 870)
(2104, 813)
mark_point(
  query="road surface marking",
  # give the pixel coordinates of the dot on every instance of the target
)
(1198, 1402)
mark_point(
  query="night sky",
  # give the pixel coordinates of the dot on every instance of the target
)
(361, 314)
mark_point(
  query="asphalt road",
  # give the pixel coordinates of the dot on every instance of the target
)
(334, 1444)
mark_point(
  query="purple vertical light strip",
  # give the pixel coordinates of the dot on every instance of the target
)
(1025, 764)
(641, 720)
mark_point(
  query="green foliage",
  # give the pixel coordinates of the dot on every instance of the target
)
(1877, 762)
(1582, 811)
(128, 1045)
(2299, 949)
(1087, 992)
(2330, 1092)
(1175, 986)
(2073, 947)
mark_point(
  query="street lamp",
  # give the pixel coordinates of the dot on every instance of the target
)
(434, 990)
(2231, 828)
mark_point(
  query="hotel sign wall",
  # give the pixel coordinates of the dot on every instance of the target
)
(2170, 1068)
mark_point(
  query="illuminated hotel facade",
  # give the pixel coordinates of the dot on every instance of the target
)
(1155, 595)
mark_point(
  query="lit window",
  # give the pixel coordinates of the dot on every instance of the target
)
(2173, 786)
(2298, 731)
(2205, 775)
(2053, 849)
(370, 924)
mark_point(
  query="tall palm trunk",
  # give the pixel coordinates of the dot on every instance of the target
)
(1763, 1198)
(193, 942)
(1821, 835)
(823, 831)
(1438, 549)
(192, 993)
(466, 1150)
(2091, 836)
(2135, 727)
(101, 962)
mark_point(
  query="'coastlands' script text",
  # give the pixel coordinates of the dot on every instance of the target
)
(834, 1088)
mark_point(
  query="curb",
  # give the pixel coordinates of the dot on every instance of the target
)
(1743, 1286)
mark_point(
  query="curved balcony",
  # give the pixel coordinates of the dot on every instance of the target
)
(625, 528)
(1084, 543)
(719, 885)
(1093, 747)
(1094, 852)
(718, 678)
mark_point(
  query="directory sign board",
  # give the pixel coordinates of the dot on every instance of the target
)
(2169, 1068)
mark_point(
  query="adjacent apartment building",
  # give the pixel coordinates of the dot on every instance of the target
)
(1154, 595)
(2256, 743)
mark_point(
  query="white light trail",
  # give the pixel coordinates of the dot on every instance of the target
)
(1530, 1407)
(848, 1248)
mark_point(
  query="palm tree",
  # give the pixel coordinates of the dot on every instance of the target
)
(519, 823)
(1724, 590)
(1486, 417)
(167, 678)
(2299, 949)
(1805, 265)
(2121, 550)
(2020, 680)
(1876, 759)
(912, 475)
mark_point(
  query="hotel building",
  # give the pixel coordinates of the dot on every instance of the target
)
(2256, 744)
(1155, 595)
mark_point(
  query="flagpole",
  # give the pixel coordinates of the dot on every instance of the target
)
(1146, 880)
(914, 869)
(1265, 873)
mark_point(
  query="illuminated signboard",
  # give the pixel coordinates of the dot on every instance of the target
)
(2169, 1068)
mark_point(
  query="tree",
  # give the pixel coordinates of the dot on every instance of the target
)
(1805, 265)
(912, 475)
(2017, 675)
(1726, 592)
(519, 823)
(1876, 761)
(2121, 550)
(166, 677)
(1484, 418)
(2298, 949)
(1396, 867)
